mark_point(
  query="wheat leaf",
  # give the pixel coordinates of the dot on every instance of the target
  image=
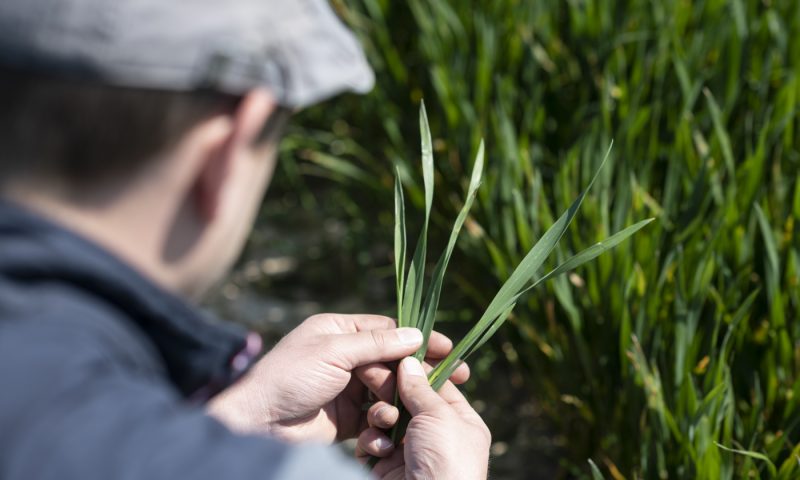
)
(399, 241)
(415, 281)
(434, 292)
(754, 455)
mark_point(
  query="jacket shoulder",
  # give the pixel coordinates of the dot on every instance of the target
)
(80, 389)
(56, 321)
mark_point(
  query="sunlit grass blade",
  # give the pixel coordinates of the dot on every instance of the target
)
(593, 252)
(487, 326)
(596, 475)
(415, 281)
(754, 455)
(722, 134)
(399, 241)
(431, 305)
(491, 330)
(427, 157)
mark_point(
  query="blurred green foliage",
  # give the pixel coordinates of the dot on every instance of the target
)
(662, 357)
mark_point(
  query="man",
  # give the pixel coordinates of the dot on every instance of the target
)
(136, 141)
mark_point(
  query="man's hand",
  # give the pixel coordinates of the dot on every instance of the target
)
(304, 389)
(445, 439)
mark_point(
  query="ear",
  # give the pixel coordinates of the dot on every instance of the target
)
(214, 172)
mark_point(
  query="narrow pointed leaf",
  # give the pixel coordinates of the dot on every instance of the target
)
(492, 330)
(399, 241)
(755, 455)
(415, 282)
(595, 250)
(596, 475)
(434, 291)
(722, 134)
(427, 158)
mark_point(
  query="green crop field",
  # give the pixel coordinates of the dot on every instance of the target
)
(677, 355)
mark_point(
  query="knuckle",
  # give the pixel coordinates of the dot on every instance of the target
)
(378, 321)
(430, 408)
(438, 411)
(378, 338)
(412, 390)
(390, 321)
(483, 429)
(315, 319)
(328, 321)
(328, 349)
(386, 415)
(487, 434)
(365, 438)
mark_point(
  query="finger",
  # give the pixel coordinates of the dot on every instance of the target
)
(392, 467)
(382, 415)
(379, 379)
(351, 350)
(450, 393)
(375, 443)
(459, 376)
(438, 345)
(340, 323)
(415, 391)
(453, 396)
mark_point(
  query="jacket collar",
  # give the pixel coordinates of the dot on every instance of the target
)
(202, 355)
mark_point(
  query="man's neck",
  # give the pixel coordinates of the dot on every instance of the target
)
(130, 227)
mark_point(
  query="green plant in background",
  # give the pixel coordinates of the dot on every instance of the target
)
(671, 355)
(413, 311)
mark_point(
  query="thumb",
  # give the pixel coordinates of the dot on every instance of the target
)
(373, 346)
(414, 389)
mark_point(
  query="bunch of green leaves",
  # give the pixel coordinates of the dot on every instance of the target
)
(415, 311)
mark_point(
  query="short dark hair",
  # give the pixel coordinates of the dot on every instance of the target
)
(81, 133)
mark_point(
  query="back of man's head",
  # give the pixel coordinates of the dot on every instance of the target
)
(148, 125)
(92, 90)
(80, 134)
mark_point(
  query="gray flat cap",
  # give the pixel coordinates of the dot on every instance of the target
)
(298, 49)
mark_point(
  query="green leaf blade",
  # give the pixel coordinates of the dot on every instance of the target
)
(427, 159)
(399, 242)
(595, 250)
(431, 304)
(415, 281)
(754, 455)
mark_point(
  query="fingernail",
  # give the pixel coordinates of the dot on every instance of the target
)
(409, 336)
(412, 367)
(383, 443)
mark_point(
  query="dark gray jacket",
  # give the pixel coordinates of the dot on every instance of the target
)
(103, 374)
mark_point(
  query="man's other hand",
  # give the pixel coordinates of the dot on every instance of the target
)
(445, 439)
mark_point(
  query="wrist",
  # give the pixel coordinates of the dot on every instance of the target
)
(238, 409)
